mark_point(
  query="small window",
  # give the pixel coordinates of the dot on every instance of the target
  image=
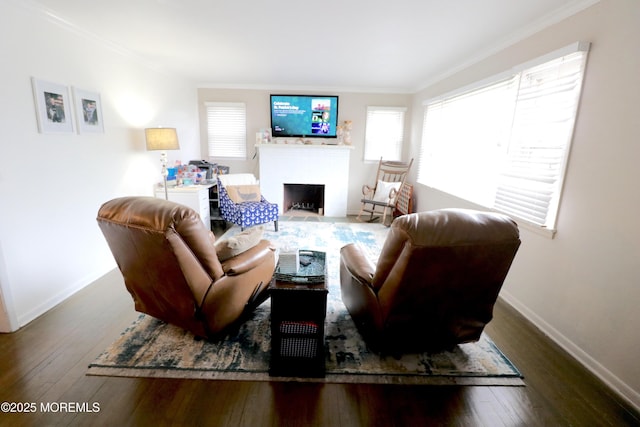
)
(384, 133)
(227, 129)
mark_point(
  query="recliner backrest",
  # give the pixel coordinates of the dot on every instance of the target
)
(445, 267)
(165, 253)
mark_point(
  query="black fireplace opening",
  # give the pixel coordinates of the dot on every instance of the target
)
(303, 197)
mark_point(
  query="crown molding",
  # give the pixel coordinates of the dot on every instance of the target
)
(302, 88)
(40, 11)
(523, 33)
(566, 11)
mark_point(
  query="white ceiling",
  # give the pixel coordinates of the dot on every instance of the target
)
(360, 45)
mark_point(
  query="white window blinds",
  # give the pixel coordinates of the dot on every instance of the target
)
(505, 145)
(530, 184)
(466, 136)
(384, 133)
(226, 129)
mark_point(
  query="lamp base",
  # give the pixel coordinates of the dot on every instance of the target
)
(166, 192)
(165, 173)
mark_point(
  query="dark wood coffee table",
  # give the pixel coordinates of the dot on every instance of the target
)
(298, 311)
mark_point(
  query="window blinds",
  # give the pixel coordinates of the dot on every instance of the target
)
(384, 133)
(530, 184)
(466, 136)
(505, 144)
(226, 129)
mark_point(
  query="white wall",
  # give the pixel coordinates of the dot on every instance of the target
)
(51, 186)
(583, 286)
(352, 106)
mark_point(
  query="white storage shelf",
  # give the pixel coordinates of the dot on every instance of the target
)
(197, 197)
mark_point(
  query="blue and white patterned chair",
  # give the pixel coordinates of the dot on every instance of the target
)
(245, 214)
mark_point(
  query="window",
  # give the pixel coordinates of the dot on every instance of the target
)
(384, 133)
(227, 129)
(504, 144)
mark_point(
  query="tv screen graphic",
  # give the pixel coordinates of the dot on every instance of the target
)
(304, 116)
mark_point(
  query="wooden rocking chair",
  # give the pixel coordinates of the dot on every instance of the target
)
(382, 197)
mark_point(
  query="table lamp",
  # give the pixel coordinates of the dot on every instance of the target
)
(162, 139)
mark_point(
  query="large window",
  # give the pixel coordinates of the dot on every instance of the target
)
(384, 133)
(227, 129)
(504, 143)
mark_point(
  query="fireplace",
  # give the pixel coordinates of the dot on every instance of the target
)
(307, 197)
(324, 165)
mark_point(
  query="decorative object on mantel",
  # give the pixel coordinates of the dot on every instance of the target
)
(162, 139)
(346, 137)
(340, 134)
(264, 136)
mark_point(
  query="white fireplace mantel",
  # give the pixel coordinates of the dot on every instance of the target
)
(326, 165)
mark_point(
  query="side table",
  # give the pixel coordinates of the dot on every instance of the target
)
(197, 197)
(298, 312)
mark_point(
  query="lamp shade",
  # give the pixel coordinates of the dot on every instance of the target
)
(161, 139)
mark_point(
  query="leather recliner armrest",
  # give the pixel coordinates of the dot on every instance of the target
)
(357, 264)
(248, 260)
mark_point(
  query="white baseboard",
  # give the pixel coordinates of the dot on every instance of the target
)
(616, 384)
(59, 297)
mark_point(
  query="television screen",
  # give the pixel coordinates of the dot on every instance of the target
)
(304, 116)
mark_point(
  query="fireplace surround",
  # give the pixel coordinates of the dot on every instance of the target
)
(326, 165)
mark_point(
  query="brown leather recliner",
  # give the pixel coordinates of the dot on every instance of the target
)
(171, 268)
(436, 281)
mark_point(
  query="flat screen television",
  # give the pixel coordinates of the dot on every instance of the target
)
(314, 116)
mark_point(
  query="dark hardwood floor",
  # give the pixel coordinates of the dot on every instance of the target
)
(45, 363)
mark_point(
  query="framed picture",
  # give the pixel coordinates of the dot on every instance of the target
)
(88, 111)
(53, 107)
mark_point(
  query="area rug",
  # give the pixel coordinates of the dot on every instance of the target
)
(152, 348)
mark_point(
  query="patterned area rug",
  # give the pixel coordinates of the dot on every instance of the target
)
(151, 348)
